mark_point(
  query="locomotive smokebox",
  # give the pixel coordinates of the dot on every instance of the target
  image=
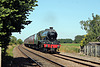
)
(52, 36)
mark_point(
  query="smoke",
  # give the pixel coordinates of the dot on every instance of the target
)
(50, 18)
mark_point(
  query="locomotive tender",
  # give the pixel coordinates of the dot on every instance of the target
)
(45, 40)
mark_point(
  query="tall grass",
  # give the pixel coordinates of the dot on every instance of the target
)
(70, 48)
(10, 50)
(9, 56)
(70, 44)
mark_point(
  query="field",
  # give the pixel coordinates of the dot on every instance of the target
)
(69, 47)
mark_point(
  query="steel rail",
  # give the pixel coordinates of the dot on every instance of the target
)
(45, 58)
(80, 59)
(76, 59)
(30, 57)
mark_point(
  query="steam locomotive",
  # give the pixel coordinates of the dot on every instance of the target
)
(45, 40)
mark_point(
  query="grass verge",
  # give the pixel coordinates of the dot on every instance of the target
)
(9, 56)
(70, 47)
(10, 50)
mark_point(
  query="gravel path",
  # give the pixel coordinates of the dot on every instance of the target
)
(21, 60)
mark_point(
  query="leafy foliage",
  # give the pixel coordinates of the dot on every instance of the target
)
(78, 38)
(13, 14)
(13, 40)
(84, 40)
(92, 27)
(19, 41)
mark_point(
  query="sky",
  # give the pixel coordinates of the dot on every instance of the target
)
(63, 15)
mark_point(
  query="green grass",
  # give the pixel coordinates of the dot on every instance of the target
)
(9, 56)
(69, 47)
(10, 50)
(70, 44)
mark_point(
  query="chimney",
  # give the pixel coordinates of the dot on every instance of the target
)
(51, 27)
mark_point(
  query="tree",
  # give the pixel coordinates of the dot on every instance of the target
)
(69, 40)
(78, 38)
(13, 39)
(92, 27)
(13, 14)
(65, 40)
(19, 41)
(61, 40)
(13, 18)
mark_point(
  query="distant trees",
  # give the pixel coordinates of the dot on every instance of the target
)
(78, 38)
(15, 41)
(65, 40)
(19, 41)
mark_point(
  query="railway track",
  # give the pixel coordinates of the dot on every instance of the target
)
(77, 60)
(82, 62)
(50, 61)
(37, 64)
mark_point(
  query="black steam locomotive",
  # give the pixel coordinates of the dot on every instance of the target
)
(45, 40)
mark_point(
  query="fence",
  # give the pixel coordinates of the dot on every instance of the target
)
(0, 56)
(92, 49)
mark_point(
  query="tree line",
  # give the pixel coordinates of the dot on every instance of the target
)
(14, 40)
(77, 39)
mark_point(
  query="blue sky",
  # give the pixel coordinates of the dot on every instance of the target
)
(63, 15)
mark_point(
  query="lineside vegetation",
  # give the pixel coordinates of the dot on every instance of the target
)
(92, 27)
(70, 47)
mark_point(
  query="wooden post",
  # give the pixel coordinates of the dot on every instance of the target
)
(87, 50)
(98, 50)
(84, 50)
(95, 50)
(91, 50)
(0, 56)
